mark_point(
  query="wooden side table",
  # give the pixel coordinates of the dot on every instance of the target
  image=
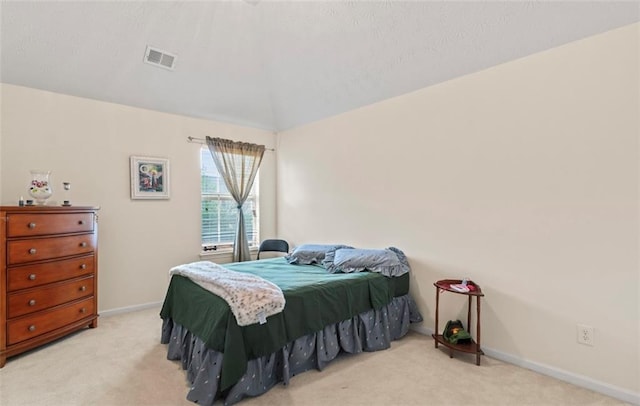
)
(472, 347)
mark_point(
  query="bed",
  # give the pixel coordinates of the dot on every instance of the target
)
(325, 314)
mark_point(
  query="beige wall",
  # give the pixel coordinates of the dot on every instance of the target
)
(523, 177)
(88, 143)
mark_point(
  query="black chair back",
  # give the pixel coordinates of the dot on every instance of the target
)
(274, 246)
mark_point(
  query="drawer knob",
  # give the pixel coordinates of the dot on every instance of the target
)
(32, 328)
(32, 302)
(32, 277)
(32, 251)
(83, 288)
(83, 310)
(32, 225)
(83, 266)
(81, 222)
(83, 244)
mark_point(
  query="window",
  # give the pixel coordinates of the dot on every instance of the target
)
(219, 211)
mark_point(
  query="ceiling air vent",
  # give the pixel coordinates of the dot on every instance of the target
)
(157, 57)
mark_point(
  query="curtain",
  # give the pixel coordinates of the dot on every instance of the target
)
(238, 163)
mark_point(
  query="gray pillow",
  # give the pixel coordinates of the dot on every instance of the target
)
(389, 262)
(306, 254)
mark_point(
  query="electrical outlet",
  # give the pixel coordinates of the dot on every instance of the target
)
(585, 334)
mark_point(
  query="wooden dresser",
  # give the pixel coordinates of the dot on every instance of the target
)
(48, 274)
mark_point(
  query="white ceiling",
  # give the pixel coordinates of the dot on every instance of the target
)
(278, 65)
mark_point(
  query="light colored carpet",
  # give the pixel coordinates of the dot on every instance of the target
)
(123, 363)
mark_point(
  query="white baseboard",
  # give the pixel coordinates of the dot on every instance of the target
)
(575, 379)
(421, 329)
(128, 309)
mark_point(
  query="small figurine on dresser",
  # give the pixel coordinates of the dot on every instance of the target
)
(66, 186)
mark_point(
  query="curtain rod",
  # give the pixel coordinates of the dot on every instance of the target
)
(196, 140)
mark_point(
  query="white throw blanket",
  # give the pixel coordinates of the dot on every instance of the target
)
(251, 298)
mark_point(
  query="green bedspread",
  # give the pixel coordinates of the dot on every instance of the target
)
(314, 299)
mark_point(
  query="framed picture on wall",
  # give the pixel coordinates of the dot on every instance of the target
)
(149, 177)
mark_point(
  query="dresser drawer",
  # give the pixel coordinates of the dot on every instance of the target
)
(29, 276)
(32, 300)
(22, 251)
(31, 224)
(39, 323)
